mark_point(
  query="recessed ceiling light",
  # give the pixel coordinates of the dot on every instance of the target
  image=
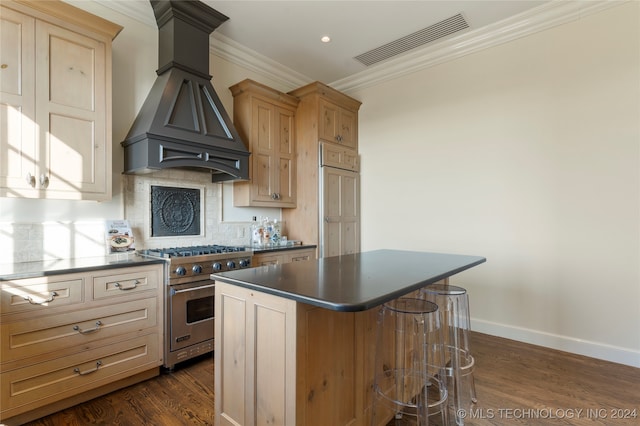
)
(325, 39)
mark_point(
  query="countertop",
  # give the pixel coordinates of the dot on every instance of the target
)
(355, 282)
(14, 271)
(271, 249)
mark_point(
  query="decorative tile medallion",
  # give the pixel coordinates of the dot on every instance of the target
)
(174, 211)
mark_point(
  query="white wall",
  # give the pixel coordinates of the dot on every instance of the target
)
(528, 154)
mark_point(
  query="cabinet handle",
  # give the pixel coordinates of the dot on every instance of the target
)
(339, 138)
(84, 373)
(326, 219)
(203, 287)
(31, 180)
(44, 180)
(91, 330)
(275, 196)
(119, 287)
(33, 302)
(3, 66)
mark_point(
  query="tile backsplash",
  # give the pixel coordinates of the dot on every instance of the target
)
(29, 242)
(137, 195)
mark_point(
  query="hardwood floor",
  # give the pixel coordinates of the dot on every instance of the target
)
(519, 383)
(516, 384)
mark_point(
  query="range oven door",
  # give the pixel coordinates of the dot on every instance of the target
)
(191, 313)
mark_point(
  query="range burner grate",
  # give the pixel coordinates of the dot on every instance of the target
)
(193, 251)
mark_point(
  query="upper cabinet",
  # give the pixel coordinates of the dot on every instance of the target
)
(334, 113)
(338, 125)
(55, 101)
(265, 120)
(327, 214)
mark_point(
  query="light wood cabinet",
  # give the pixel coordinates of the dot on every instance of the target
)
(265, 119)
(55, 101)
(319, 113)
(330, 114)
(305, 365)
(338, 125)
(72, 337)
(339, 157)
(340, 205)
(257, 359)
(286, 256)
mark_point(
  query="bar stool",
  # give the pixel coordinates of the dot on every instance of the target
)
(410, 378)
(453, 303)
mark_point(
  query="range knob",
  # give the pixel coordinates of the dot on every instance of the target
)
(231, 264)
(217, 266)
(181, 271)
(196, 269)
(244, 263)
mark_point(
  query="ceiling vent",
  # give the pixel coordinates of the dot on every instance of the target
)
(419, 38)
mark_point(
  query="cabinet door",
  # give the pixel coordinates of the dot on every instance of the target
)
(262, 150)
(286, 170)
(342, 158)
(71, 110)
(17, 104)
(348, 129)
(257, 361)
(329, 116)
(338, 125)
(340, 220)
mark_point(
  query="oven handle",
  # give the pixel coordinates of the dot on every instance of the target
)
(204, 287)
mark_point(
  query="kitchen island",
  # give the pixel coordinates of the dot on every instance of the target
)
(294, 343)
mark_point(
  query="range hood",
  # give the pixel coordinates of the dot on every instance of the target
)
(182, 123)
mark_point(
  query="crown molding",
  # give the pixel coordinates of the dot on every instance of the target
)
(238, 54)
(138, 10)
(546, 16)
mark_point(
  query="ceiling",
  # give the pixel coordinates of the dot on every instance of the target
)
(289, 32)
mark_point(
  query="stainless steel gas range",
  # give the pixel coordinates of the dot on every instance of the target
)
(189, 300)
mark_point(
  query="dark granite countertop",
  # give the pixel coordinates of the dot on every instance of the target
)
(262, 250)
(14, 271)
(355, 282)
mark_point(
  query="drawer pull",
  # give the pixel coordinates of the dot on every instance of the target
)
(84, 373)
(91, 330)
(135, 284)
(33, 302)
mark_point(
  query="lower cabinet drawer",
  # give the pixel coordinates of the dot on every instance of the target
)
(264, 260)
(40, 384)
(299, 256)
(54, 333)
(39, 295)
(125, 284)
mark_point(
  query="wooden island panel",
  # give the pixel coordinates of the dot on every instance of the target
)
(297, 364)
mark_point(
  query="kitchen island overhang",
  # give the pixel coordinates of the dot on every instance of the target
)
(295, 343)
(354, 282)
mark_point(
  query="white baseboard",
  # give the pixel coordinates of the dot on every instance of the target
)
(568, 344)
